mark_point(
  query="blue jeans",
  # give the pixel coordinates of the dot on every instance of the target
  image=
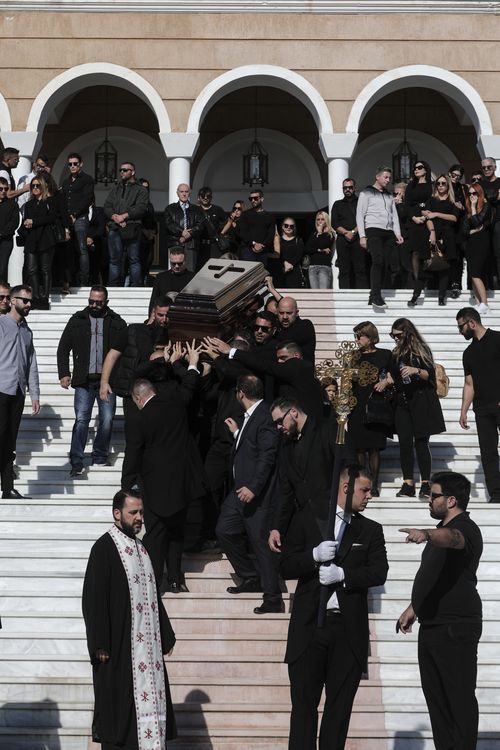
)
(116, 246)
(85, 397)
(80, 228)
(320, 277)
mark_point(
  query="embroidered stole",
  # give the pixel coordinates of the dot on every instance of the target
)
(147, 658)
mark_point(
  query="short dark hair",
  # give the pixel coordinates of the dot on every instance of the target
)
(43, 157)
(4, 181)
(99, 288)
(290, 346)
(284, 403)
(356, 470)
(126, 161)
(383, 168)
(258, 191)
(205, 190)
(266, 315)
(121, 496)
(245, 334)
(162, 301)
(251, 386)
(5, 284)
(177, 250)
(349, 179)
(240, 343)
(457, 168)
(468, 313)
(74, 155)
(20, 288)
(454, 484)
(9, 151)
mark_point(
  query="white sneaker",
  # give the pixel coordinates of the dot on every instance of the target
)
(482, 308)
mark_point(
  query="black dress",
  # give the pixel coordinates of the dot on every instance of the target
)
(293, 252)
(361, 436)
(477, 245)
(446, 235)
(418, 235)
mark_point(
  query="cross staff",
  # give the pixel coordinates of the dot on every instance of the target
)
(349, 368)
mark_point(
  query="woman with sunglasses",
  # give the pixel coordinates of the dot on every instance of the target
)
(229, 230)
(418, 412)
(9, 219)
(478, 217)
(40, 216)
(368, 440)
(441, 213)
(291, 251)
(319, 248)
(418, 192)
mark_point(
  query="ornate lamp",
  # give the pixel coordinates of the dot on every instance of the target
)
(404, 158)
(256, 160)
(106, 155)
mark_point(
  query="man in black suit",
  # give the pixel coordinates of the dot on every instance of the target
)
(183, 224)
(448, 607)
(297, 329)
(333, 656)
(245, 511)
(157, 455)
(173, 280)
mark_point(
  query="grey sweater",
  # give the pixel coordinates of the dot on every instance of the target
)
(376, 210)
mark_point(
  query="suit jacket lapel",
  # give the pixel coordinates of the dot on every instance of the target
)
(350, 536)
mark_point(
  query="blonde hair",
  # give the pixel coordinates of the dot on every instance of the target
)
(44, 185)
(449, 185)
(328, 224)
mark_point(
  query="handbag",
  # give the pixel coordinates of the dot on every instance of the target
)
(380, 408)
(223, 243)
(437, 261)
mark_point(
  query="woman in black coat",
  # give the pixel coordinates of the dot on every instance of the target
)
(477, 243)
(418, 192)
(9, 219)
(291, 251)
(368, 440)
(418, 412)
(40, 216)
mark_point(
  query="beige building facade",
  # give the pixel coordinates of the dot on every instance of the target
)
(181, 93)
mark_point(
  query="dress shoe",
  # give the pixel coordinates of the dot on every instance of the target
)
(211, 546)
(247, 586)
(267, 608)
(176, 588)
(14, 495)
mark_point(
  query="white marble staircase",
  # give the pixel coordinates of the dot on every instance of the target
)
(229, 684)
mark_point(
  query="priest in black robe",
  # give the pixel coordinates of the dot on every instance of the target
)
(128, 631)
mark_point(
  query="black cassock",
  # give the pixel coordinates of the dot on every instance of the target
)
(108, 621)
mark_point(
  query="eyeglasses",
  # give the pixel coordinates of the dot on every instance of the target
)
(73, 164)
(418, 166)
(279, 422)
(35, 186)
(24, 300)
(395, 335)
(5, 296)
(435, 495)
(462, 325)
(457, 175)
(4, 189)
(254, 198)
(359, 335)
(441, 183)
(487, 166)
(288, 226)
(123, 169)
(257, 327)
(176, 264)
(97, 302)
(472, 192)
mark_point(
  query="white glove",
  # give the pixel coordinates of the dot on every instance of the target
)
(325, 551)
(330, 574)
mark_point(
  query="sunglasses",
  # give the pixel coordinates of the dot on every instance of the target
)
(289, 226)
(358, 335)
(254, 198)
(435, 495)
(441, 183)
(462, 325)
(4, 189)
(457, 175)
(472, 192)
(487, 166)
(419, 166)
(177, 264)
(257, 327)
(73, 164)
(122, 169)
(5, 296)
(35, 186)
(24, 300)
(237, 208)
(279, 422)
(395, 336)
(96, 302)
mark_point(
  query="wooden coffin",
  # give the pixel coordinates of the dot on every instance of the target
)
(214, 299)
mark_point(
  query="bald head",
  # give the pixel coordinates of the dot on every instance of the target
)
(288, 311)
(142, 391)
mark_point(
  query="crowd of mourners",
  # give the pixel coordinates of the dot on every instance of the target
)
(417, 235)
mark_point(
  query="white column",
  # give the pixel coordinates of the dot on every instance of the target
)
(338, 171)
(179, 169)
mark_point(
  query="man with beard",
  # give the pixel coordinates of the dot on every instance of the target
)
(128, 632)
(4, 297)
(481, 362)
(139, 345)
(351, 257)
(214, 221)
(18, 372)
(89, 334)
(295, 328)
(448, 607)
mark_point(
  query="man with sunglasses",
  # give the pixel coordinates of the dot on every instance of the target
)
(490, 183)
(77, 193)
(4, 297)
(173, 280)
(350, 256)
(9, 220)
(89, 334)
(255, 230)
(447, 605)
(18, 373)
(124, 207)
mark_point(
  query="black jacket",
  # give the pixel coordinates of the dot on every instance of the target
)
(130, 198)
(303, 333)
(174, 223)
(76, 339)
(137, 346)
(254, 456)
(9, 218)
(44, 214)
(78, 194)
(169, 282)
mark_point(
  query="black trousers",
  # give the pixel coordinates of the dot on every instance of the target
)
(6, 246)
(11, 410)
(447, 658)
(351, 261)
(39, 270)
(164, 541)
(488, 424)
(404, 428)
(327, 662)
(217, 464)
(237, 522)
(382, 249)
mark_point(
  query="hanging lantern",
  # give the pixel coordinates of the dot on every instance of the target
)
(105, 163)
(403, 161)
(255, 165)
